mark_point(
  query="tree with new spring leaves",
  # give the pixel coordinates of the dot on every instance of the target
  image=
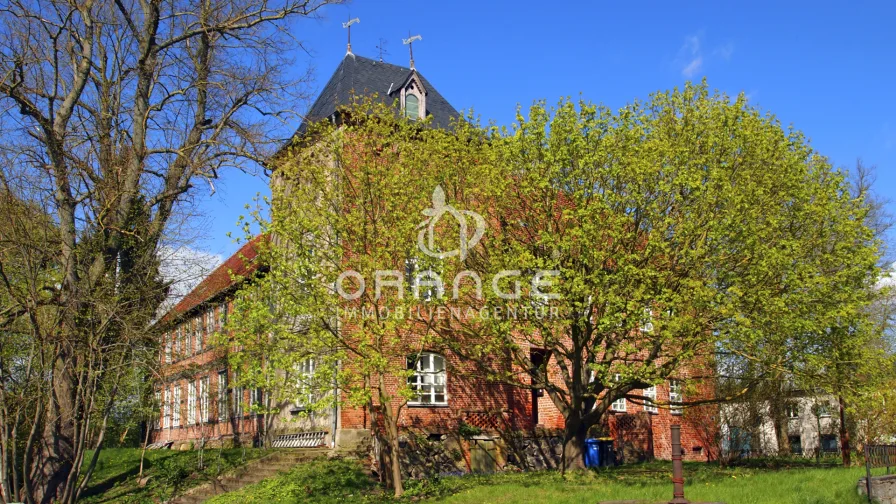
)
(679, 227)
(348, 201)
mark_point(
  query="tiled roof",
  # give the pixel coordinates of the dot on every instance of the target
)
(237, 267)
(357, 75)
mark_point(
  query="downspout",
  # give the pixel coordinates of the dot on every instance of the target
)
(335, 407)
(336, 392)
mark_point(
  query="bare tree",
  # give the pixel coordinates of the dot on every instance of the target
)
(112, 112)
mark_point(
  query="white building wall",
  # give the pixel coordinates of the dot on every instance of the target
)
(810, 425)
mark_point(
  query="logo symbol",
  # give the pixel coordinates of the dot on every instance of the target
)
(426, 238)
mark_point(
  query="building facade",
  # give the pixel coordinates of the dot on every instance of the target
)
(810, 426)
(198, 404)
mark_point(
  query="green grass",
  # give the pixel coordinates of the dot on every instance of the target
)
(330, 481)
(321, 482)
(169, 472)
(652, 483)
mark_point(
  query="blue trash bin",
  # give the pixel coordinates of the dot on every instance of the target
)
(592, 453)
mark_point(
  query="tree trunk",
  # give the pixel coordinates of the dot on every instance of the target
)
(395, 456)
(844, 434)
(574, 445)
(146, 442)
(55, 455)
(54, 465)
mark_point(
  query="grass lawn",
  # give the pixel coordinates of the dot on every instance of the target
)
(169, 471)
(652, 482)
(330, 481)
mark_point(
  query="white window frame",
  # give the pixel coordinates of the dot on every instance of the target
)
(188, 343)
(305, 377)
(157, 423)
(429, 381)
(166, 416)
(168, 341)
(618, 404)
(223, 410)
(237, 398)
(675, 396)
(175, 404)
(222, 316)
(647, 326)
(824, 410)
(203, 400)
(650, 403)
(191, 403)
(200, 336)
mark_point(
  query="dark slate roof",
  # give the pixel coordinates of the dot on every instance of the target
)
(361, 76)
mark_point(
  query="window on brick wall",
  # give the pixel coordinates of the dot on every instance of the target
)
(647, 321)
(191, 403)
(200, 340)
(188, 342)
(157, 421)
(649, 403)
(222, 395)
(429, 381)
(237, 397)
(204, 413)
(422, 278)
(166, 415)
(256, 400)
(222, 316)
(168, 338)
(618, 404)
(175, 407)
(675, 396)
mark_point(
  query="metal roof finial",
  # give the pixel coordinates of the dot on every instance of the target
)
(410, 43)
(348, 26)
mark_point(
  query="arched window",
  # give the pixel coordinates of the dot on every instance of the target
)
(411, 106)
(429, 380)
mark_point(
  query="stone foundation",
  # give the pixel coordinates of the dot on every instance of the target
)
(883, 488)
(536, 453)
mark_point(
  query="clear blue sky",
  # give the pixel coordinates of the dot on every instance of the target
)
(829, 70)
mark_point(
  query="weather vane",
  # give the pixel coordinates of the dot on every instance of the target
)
(410, 43)
(382, 48)
(348, 25)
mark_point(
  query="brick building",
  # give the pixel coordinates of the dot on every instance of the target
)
(198, 404)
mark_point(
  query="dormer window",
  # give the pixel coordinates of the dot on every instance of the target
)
(412, 106)
(413, 99)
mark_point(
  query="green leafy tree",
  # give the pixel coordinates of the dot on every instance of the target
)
(679, 227)
(348, 200)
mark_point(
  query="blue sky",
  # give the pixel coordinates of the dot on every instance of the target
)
(828, 69)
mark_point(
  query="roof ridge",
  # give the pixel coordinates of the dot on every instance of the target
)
(241, 263)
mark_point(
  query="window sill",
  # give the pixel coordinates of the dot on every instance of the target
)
(438, 406)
